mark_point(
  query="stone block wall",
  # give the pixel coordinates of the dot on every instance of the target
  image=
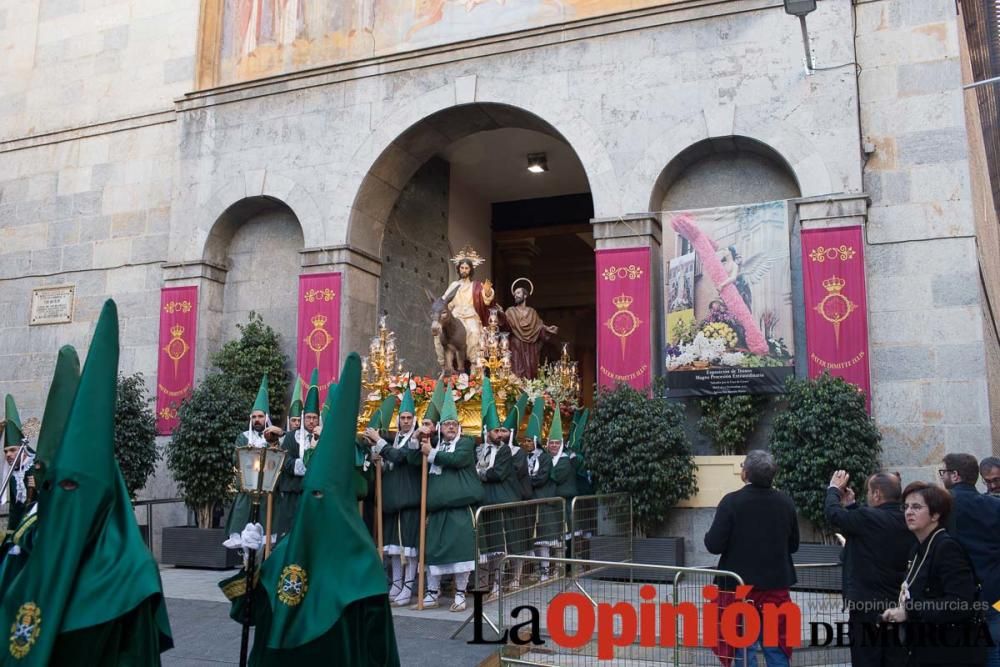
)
(71, 63)
(93, 213)
(927, 348)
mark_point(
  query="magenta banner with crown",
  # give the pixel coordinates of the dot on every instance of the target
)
(319, 330)
(836, 304)
(175, 363)
(623, 313)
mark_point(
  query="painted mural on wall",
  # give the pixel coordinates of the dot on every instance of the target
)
(728, 300)
(266, 37)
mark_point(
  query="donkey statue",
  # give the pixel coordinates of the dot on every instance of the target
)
(449, 335)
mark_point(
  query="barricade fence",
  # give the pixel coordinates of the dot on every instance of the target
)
(612, 593)
(622, 613)
(601, 527)
(528, 527)
(547, 528)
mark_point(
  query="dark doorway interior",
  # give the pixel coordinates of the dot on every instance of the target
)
(549, 241)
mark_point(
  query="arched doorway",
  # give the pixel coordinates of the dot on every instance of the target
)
(460, 177)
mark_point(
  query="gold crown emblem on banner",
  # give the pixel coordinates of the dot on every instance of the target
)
(622, 301)
(834, 285)
(318, 320)
(177, 331)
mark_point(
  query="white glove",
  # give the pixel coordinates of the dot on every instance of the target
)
(233, 542)
(252, 536)
(300, 468)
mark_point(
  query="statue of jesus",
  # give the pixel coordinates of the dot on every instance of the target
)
(469, 300)
(528, 332)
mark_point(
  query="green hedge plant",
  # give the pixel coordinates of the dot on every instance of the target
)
(636, 445)
(135, 432)
(247, 358)
(728, 421)
(200, 454)
(824, 428)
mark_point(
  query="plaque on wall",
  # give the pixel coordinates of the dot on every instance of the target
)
(52, 305)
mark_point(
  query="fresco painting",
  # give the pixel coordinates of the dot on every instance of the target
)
(259, 38)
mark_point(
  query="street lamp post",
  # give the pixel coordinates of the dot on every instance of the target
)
(259, 471)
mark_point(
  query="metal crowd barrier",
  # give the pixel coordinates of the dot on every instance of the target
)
(601, 528)
(148, 504)
(524, 527)
(668, 584)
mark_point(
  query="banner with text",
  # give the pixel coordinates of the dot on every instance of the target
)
(836, 304)
(175, 363)
(319, 330)
(728, 300)
(623, 314)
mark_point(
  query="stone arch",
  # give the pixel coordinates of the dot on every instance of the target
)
(404, 140)
(724, 172)
(212, 224)
(735, 127)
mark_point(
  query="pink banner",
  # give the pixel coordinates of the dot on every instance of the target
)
(319, 330)
(623, 314)
(175, 365)
(836, 304)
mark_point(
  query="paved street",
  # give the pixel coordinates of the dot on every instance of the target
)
(205, 636)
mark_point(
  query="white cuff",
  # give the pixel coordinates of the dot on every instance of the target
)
(378, 446)
(430, 457)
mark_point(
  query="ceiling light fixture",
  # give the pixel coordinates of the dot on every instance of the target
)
(537, 163)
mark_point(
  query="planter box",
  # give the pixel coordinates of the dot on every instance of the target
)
(819, 579)
(717, 476)
(188, 546)
(645, 550)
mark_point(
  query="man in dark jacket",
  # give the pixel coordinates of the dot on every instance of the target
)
(755, 531)
(878, 546)
(975, 524)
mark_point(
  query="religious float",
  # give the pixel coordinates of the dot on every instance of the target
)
(383, 373)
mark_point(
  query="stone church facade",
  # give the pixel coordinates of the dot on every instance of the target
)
(121, 172)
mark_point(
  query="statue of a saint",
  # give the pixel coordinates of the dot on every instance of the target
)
(527, 330)
(469, 301)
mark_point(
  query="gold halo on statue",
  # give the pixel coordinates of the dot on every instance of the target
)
(468, 254)
(517, 280)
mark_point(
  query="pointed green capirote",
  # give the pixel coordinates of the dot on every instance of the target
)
(381, 419)
(536, 420)
(261, 402)
(87, 523)
(516, 414)
(327, 529)
(13, 435)
(433, 411)
(61, 393)
(295, 408)
(448, 410)
(555, 430)
(488, 411)
(406, 404)
(312, 396)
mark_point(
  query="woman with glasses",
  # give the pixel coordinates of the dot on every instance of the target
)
(937, 601)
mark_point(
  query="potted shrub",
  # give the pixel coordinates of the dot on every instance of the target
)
(728, 421)
(824, 428)
(135, 433)
(200, 453)
(636, 444)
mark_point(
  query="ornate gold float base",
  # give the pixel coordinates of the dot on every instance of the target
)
(468, 414)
